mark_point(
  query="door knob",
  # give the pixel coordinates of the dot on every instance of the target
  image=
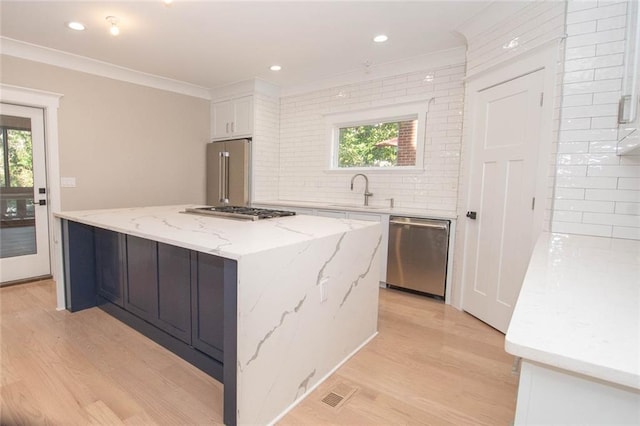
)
(472, 215)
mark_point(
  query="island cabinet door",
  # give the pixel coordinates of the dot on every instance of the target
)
(110, 267)
(174, 291)
(208, 305)
(141, 296)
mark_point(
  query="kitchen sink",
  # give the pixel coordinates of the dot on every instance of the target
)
(355, 206)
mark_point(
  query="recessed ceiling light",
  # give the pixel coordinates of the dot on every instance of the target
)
(167, 2)
(78, 26)
(380, 38)
(275, 67)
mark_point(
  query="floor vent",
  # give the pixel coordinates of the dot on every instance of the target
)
(339, 395)
(332, 399)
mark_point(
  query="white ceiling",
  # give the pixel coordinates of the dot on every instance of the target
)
(215, 43)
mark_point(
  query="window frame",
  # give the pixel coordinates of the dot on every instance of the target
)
(399, 112)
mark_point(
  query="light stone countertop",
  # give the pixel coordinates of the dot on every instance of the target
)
(396, 211)
(229, 238)
(579, 308)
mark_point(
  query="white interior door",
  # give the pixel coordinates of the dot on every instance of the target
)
(24, 227)
(506, 139)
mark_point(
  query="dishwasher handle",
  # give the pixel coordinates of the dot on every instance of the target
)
(421, 224)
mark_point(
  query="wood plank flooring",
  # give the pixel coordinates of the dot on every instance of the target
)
(430, 364)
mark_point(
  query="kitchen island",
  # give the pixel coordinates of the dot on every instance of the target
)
(576, 326)
(298, 295)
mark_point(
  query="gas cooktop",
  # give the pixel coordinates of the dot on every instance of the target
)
(238, 212)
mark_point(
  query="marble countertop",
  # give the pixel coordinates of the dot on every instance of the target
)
(402, 211)
(229, 238)
(579, 308)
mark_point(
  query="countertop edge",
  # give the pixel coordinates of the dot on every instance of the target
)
(155, 237)
(572, 365)
(552, 264)
(429, 214)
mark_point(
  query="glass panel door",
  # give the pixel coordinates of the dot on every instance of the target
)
(24, 240)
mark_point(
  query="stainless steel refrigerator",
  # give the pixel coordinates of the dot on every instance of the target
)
(228, 172)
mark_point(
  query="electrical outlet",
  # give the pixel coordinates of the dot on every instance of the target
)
(324, 289)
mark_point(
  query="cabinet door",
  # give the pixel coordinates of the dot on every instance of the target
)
(208, 304)
(141, 297)
(242, 116)
(110, 267)
(174, 291)
(221, 119)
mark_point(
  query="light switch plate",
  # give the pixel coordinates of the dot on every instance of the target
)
(68, 182)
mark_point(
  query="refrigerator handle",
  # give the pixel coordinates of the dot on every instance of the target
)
(220, 176)
(226, 177)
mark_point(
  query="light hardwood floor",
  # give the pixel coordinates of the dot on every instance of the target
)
(430, 364)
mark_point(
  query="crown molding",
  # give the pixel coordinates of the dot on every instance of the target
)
(46, 55)
(246, 87)
(438, 59)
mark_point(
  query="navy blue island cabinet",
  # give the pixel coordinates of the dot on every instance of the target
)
(182, 299)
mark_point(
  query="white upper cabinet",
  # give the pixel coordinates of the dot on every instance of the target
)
(232, 118)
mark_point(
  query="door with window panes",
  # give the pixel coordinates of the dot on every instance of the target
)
(24, 227)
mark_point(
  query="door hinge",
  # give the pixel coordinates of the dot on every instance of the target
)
(541, 98)
(533, 203)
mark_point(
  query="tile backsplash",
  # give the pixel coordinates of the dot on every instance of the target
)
(304, 144)
(596, 191)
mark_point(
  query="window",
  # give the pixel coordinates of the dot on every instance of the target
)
(378, 139)
(386, 144)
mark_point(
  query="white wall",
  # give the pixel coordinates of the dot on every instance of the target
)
(304, 145)
(597, 192)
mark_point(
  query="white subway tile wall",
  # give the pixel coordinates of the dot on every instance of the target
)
(532, 26)
(266, 147)
(305, 150)
(597, 192)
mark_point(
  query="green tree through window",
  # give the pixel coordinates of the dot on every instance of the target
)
(363, 146)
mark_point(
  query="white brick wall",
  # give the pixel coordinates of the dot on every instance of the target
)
(597, 192)
(266, 147)
(304, 147)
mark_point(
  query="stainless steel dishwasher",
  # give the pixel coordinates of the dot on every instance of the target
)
(417, 257)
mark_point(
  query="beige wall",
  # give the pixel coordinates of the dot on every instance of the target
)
(126, 145)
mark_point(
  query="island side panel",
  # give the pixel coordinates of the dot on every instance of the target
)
(288, 339)
(230, 360)
(79, 266)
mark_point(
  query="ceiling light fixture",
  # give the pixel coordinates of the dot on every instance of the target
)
(380, 38)
(113, 21)
(167, 2)
(77, 26)
(275, 67)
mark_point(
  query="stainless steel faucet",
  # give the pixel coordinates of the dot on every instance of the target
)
(367, 194)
